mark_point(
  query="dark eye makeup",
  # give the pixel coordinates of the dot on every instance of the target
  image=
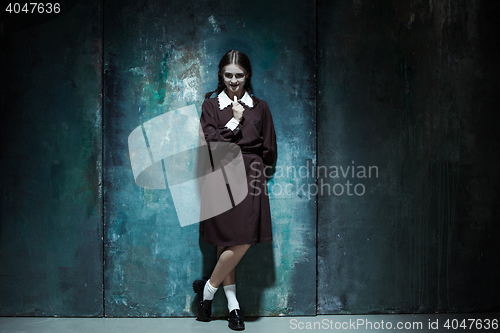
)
(228, 75)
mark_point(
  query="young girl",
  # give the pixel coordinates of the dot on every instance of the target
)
(236, 115)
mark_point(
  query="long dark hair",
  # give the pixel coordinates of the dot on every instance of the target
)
(240, 59)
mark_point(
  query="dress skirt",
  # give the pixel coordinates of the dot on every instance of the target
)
(249, 222)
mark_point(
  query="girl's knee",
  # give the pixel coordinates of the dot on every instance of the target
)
(245, 247)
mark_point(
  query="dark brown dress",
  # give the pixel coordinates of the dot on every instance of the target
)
(249, 222)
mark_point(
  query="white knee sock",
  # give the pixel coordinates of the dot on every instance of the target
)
(232, 302)
(208, 291)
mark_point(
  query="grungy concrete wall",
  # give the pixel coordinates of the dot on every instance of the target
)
(406, 88)
(163, 55)
(50, 162)
(409, 87)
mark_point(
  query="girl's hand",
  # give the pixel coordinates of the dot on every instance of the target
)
(237, 110)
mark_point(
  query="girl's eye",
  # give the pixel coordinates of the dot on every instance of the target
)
(237, 75)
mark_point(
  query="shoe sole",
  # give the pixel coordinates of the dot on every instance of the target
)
(237, 327)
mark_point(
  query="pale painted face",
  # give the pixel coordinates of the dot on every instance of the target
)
(234, 79)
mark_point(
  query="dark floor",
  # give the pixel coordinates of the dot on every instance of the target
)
(355, 323)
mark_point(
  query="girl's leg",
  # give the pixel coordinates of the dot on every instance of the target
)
(228, 259)
(231, 277)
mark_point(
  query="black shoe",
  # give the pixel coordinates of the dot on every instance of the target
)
(204, 307)
(236, 321)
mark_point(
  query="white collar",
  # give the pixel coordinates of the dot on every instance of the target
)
(225, 101)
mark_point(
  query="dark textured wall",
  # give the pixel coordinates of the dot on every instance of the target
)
(50, 163)
(163, 55)
(409, 87)
(406, 87)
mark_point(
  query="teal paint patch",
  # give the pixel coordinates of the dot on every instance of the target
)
(181, 52)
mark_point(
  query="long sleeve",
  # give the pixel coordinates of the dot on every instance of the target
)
(269, 147)
(232, 124)
(211, 129)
